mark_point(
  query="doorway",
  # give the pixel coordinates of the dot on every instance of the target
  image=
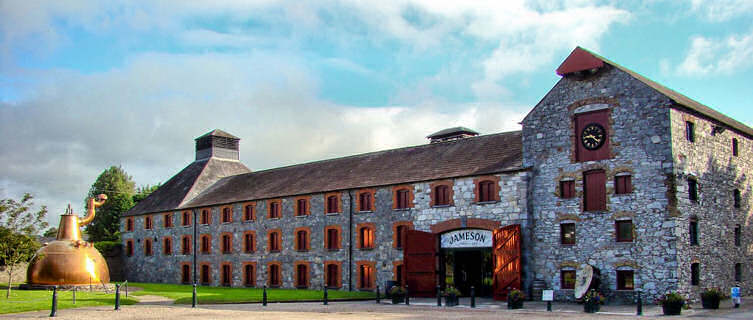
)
(464, 268)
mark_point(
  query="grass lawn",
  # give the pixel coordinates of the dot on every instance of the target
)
(33, 300)
(182, 294)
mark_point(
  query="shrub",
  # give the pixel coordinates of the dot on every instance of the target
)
(672, 298)
(397, 291)
(516, 295)
(106, 246)
(593, 297)
(712, 293)
(451, 291)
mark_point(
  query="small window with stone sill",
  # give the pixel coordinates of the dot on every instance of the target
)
(567, 233)
(624, 230)
(623, 184)
(567, 279)
(625, 280)
(567, 189)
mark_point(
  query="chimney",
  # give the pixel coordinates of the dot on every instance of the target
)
(218, 144)
(450, 134)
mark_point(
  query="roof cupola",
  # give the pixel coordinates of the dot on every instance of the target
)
(218, 144)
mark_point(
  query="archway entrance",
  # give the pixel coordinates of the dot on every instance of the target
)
(464, 268)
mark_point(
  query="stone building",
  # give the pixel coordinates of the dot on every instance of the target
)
(610, 170)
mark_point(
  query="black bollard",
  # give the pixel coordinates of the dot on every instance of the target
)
(549, 306)
(54, 301)
(439, 296)
(193, 297)
(74, 295)
(325, 296)
(639, 306)
(377, 297)
(264, 297)
(473, 297)
(126, 288)
(407, 296)
(117, 296)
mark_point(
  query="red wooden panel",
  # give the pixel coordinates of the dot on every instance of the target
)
(507, 267)
(579, 60)
(595, 190)
(582, 120)
(420, 258)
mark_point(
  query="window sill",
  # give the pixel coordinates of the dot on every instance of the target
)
(486, 202)
(186, 226)
(401, 209)
(226, 222)
(362, 212)
(274, 251)
(441, 206)
(301, 216)
(366, 249)
(333, 250)
(332, 214)
(249, 221)
(274, 218)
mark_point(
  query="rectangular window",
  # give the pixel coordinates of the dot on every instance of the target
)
(148, 222)
(185, 247)
(167, 246)
(129, 248)
(738, 272)
(737, 197)
(567, 279)
(332, 239)
(129, 224)
(227, 275)
(274, 275)
(364, 201)
(248, 243)
(185, 274)
(205, 216)
(248, 213)
(302, 274)
(692, 189)
(567, 189)
(227, 244)
(695, 274)
(205, 274)
(274, 209)
(332, 204)
(301, 239)
(734, 147)
(623, 184)
(206, 244)
(738, 235)
(302, 207)
(227, 215)
(402, 197)
(148, 247)
(690, 131)
(594, 191)
(400, 236)
(624, 230)
(168, 220)
(186, 218)
(249, 276)
(441, 195)
(333, 275)
(693, 230)
(567, 233)
(366, 276)
(486, 191)
(274, 241)
(366, 235)
(625, 280)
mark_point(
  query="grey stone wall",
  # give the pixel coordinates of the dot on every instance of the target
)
(639, 141)
(512, 209)
(710, 161)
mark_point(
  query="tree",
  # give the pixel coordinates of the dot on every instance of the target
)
(50, 233)
(19, 225)
(120, 189)
(144, 191)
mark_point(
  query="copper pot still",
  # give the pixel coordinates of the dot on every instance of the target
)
(69, 260)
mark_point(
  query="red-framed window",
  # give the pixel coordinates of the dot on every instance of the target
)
(185, 244)
(366, 274)
(205, 274)
(399, 230)
(148, 222)
(249, 212)
(332, 274)
(302, 207)
(332, 237)
(129, 247)
(226, 276)
(274, 240)
(249, 242)
(274, 279)
(249, 274)
(227, 214)
(332, 201)
(441, 195)
(302, 239)
(486, 188)
(227, 243)
(398, 272)
(623, 184)
(185, 218)
(167, 246)
(274, 209)
(148, 250)
(301, 275)
(206, 216)
(185, 272)
(167, 220)
(129, 224)
(365, 200)
(402, 197)
(206, 244)
(567, 189)
(366, 236)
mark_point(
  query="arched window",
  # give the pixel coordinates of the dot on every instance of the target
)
(186, 221)
(227, 215)
(274, 241)
(249, 275)
(206, 243)
(227, 243)
(441, 195)
(227, 275)
(302, 207)
(248, 213)
(366, 238)
(274, 209)
(274, 275)
(148, 222)
(248, 242)
(333, 276)
(185, 274)
(332, 202)
(167, 218)
(302, 274)
(205, 216)
(185, 247)
(205, 277)
(167, 246)
(301, 240)
(332, 240)
(486, 191)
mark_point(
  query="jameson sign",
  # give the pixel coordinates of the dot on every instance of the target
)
(467, 238)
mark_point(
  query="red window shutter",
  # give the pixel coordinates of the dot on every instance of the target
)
(595, 193)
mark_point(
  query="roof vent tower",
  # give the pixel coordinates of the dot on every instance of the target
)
(450, 134)
(218, 144)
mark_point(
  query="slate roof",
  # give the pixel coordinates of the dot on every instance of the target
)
(218, 133)
(479, 155)
(188, 183)
(674, 95)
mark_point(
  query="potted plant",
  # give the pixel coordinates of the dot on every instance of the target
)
(398, 294)
(710, 298)
(592, 301)
(515, 299)
(671, 303)
(451, 296)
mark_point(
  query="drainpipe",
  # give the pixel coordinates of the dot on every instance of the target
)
(350, 241)
(195, 234)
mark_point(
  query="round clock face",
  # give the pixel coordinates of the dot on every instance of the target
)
(593, 136)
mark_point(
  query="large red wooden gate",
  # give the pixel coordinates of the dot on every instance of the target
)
(420, 257)
(507, 269)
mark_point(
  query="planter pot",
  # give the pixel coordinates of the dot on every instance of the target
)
(397, 299)
(672, 309)
(451, 300)
(516, 304)
(710, 303)
(591, 307)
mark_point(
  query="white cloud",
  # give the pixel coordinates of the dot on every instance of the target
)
(718, 56)
(722, 10)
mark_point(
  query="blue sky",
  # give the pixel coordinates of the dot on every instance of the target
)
(85, 84)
